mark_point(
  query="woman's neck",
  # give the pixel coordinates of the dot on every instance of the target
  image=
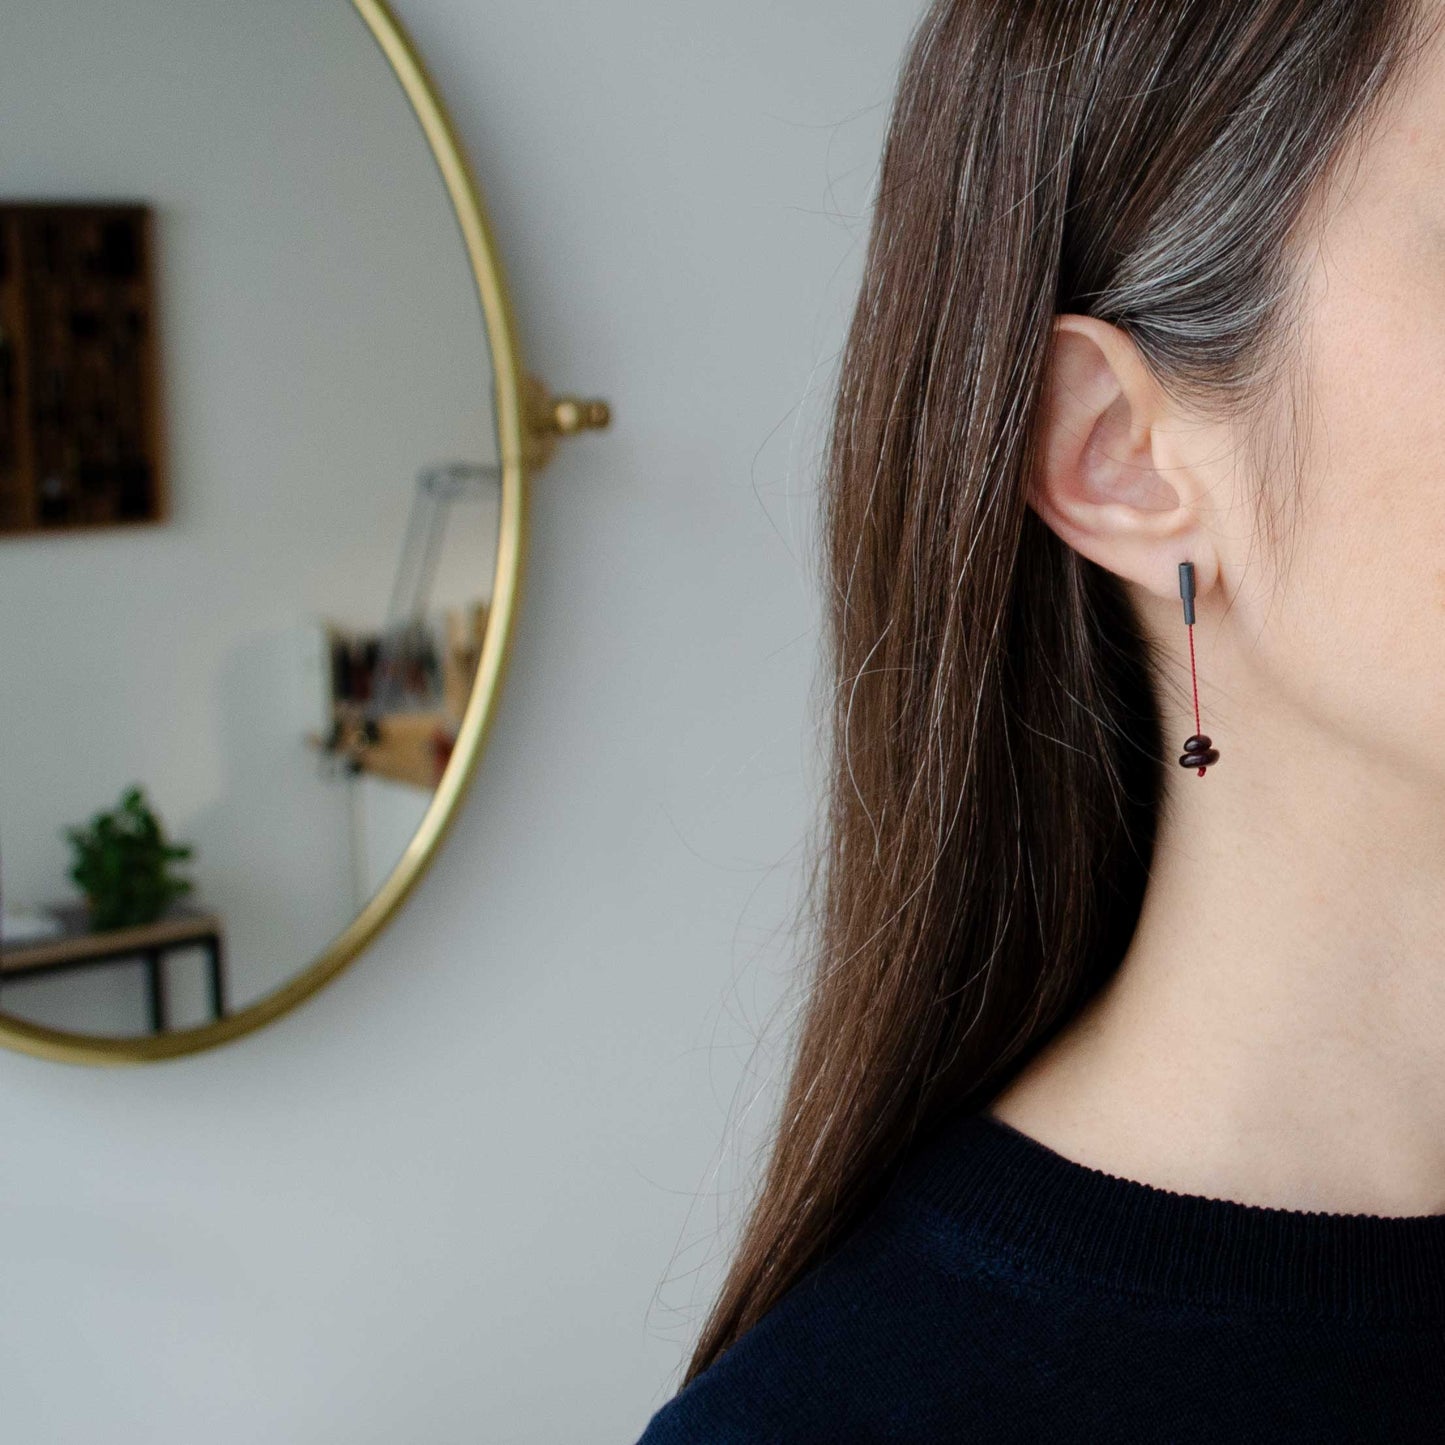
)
(1276, 1032)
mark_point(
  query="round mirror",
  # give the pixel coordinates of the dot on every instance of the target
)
(263, 446)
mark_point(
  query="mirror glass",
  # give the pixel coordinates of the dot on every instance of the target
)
(248, 499)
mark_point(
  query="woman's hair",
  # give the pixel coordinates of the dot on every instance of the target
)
(997, 757)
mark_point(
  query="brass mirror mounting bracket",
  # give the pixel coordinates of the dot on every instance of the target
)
(550, 417)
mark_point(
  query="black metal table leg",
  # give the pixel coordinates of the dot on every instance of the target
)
(218, 976)
(155, 971)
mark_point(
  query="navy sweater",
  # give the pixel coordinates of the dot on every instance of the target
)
(1002, 1292)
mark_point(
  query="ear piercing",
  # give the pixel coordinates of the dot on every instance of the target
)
(1198, 752)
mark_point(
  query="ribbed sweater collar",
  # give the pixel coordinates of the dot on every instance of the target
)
(1055, 1217)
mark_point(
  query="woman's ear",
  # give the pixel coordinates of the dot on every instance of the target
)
(1109, 475)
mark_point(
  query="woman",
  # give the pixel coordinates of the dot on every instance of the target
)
(1118, 1108)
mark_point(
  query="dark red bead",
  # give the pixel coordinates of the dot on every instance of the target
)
(1200, 758)
(1197, 744)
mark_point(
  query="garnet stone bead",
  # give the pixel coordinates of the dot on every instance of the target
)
(1198, 753)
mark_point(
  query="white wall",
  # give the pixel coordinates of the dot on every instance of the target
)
(465, 1194)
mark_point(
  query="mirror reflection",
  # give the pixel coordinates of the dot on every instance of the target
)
(248, 499)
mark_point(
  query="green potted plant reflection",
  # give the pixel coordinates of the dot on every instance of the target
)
(123, 864)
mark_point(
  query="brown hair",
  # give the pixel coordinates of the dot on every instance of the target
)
(997, 754)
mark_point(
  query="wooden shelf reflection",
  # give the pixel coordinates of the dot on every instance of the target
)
(409, 747)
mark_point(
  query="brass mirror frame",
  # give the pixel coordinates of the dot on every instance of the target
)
(516, 451)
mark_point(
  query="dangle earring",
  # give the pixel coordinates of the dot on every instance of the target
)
(1198, 752)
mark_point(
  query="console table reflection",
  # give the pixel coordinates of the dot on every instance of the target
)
(79, 946)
